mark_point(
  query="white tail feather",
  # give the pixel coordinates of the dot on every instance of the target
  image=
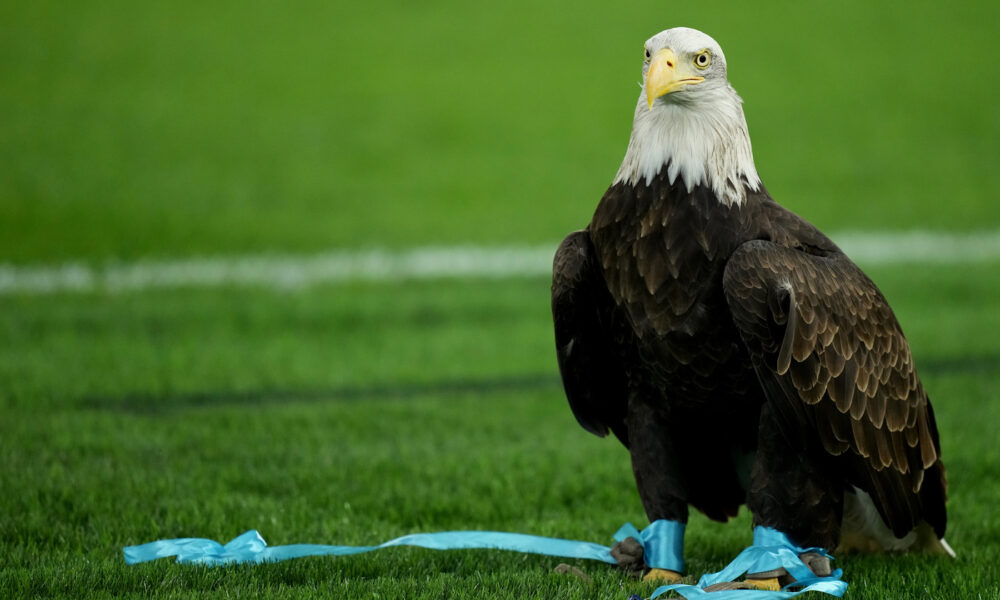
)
(862, 530)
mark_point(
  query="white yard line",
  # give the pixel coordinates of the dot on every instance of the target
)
(281, 271)
(298, 271)
(872, 248)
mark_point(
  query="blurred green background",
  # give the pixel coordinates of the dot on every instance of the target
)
(357, 412)
(136, 129)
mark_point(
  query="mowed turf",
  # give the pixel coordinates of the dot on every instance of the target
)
(352, 414)
(355, 414)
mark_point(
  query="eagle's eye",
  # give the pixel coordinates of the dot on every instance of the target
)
(703, 59)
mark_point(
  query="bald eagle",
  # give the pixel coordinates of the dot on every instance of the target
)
(734, 349)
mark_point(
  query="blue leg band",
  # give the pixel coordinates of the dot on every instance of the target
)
(662, 543)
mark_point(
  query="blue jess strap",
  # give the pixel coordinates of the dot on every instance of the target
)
(250, 547)
(662, 543)
(771, 549)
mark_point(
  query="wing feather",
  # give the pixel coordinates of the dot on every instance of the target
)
(583, 314)
(828, 348)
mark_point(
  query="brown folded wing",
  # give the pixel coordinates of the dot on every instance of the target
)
(591, 368)
(834, 363)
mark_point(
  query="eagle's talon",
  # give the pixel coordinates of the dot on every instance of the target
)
(662, 576)
(768, 585)
(817, 563)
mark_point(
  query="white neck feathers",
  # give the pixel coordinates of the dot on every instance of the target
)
(703, 140)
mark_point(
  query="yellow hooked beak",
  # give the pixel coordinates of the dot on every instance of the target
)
(666, 76)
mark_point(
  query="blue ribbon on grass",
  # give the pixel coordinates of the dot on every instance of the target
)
(250, 547)
(662, 544)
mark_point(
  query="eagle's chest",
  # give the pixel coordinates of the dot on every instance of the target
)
(663, 252)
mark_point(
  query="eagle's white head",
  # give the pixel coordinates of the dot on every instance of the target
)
(689, 120)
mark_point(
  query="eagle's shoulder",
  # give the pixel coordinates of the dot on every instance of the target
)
(775, 223)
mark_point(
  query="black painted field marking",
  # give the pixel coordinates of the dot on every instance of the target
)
(158, 403)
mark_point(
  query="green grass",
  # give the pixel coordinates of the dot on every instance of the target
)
(359, 412)
(308, 417)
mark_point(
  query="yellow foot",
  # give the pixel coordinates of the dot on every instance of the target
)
(662, 576)
(770, 585)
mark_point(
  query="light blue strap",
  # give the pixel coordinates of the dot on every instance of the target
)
(662, 543)
(771, 549)
(250, 547)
